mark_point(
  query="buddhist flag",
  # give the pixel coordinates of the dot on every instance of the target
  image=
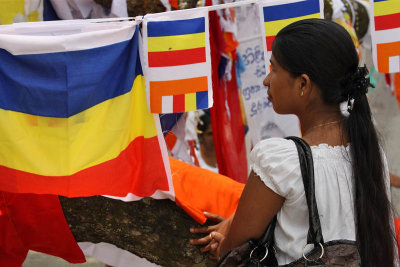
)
(277, 14)
(177, 61)
(385, 28)
(73, 114)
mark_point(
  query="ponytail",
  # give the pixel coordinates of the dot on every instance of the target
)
(373, 210)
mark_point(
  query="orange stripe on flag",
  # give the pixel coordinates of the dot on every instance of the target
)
(116, 177)
(158, 89)
(384, 51)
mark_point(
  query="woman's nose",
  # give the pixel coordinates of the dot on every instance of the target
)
(266, 80)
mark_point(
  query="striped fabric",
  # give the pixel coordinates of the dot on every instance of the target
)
(178, 67)
(387, 14)
(278, 14)
(174, 43)
(73, 114)
(386, 35)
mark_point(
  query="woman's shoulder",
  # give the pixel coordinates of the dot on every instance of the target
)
(274, 147)
(276, 162)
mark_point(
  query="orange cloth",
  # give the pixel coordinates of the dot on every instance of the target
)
(198, 190)
(231, 44)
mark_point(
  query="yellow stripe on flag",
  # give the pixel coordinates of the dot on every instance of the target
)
(190, 102)
(64, 146)
(176, 42)
(386, 7)
(273, 27)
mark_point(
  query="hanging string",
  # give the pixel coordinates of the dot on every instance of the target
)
(139, 19)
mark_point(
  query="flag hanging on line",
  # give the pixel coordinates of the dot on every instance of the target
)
(73, 114)
(177, 62)
(385, 30)
(277, 14)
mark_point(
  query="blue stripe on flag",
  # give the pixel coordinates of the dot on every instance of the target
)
(380, 0)
(292, 10)
(175, 27)
(66, 83)
(202, 100)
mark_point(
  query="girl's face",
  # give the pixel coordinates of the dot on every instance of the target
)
(281, 89)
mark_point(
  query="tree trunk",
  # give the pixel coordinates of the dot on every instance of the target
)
(157, 230)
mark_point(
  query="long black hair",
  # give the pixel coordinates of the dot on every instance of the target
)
(325, 52)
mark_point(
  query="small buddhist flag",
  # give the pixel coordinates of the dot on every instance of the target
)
(177, 61)
(385, 28)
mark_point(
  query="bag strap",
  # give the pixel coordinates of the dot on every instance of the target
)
(314, 235)
(307, 172)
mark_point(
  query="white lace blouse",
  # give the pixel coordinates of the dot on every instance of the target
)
(276, 162)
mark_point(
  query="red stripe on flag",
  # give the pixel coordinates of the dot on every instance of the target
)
(269, 40)
(179, 103)
(387, 22)
(139, 170)
(178, 57)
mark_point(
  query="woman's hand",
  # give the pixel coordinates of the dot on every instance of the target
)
(215, 234)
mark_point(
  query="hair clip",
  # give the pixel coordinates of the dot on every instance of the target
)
(350, 104)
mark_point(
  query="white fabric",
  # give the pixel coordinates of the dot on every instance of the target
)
(119, 8)
(63, 36)
(112, 255)
(88, 9)
(166, 4)
(276, 161)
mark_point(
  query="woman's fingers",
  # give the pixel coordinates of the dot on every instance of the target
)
(202, 230)
(214, 217)
(201, 241)
(218, 237)
(212, 247)
(215, 246)
(206, 248)
(212, 242)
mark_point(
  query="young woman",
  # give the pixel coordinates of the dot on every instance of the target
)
(315, 69)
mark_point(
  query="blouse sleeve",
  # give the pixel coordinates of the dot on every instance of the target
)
(276, 162)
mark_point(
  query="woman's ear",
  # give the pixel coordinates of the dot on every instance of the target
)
(304, 84)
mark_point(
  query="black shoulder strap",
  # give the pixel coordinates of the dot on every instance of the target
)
(307, 171)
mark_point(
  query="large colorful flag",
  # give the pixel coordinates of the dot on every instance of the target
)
(177, 62)
(385, 28)
(277, 14)
(73, 113)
